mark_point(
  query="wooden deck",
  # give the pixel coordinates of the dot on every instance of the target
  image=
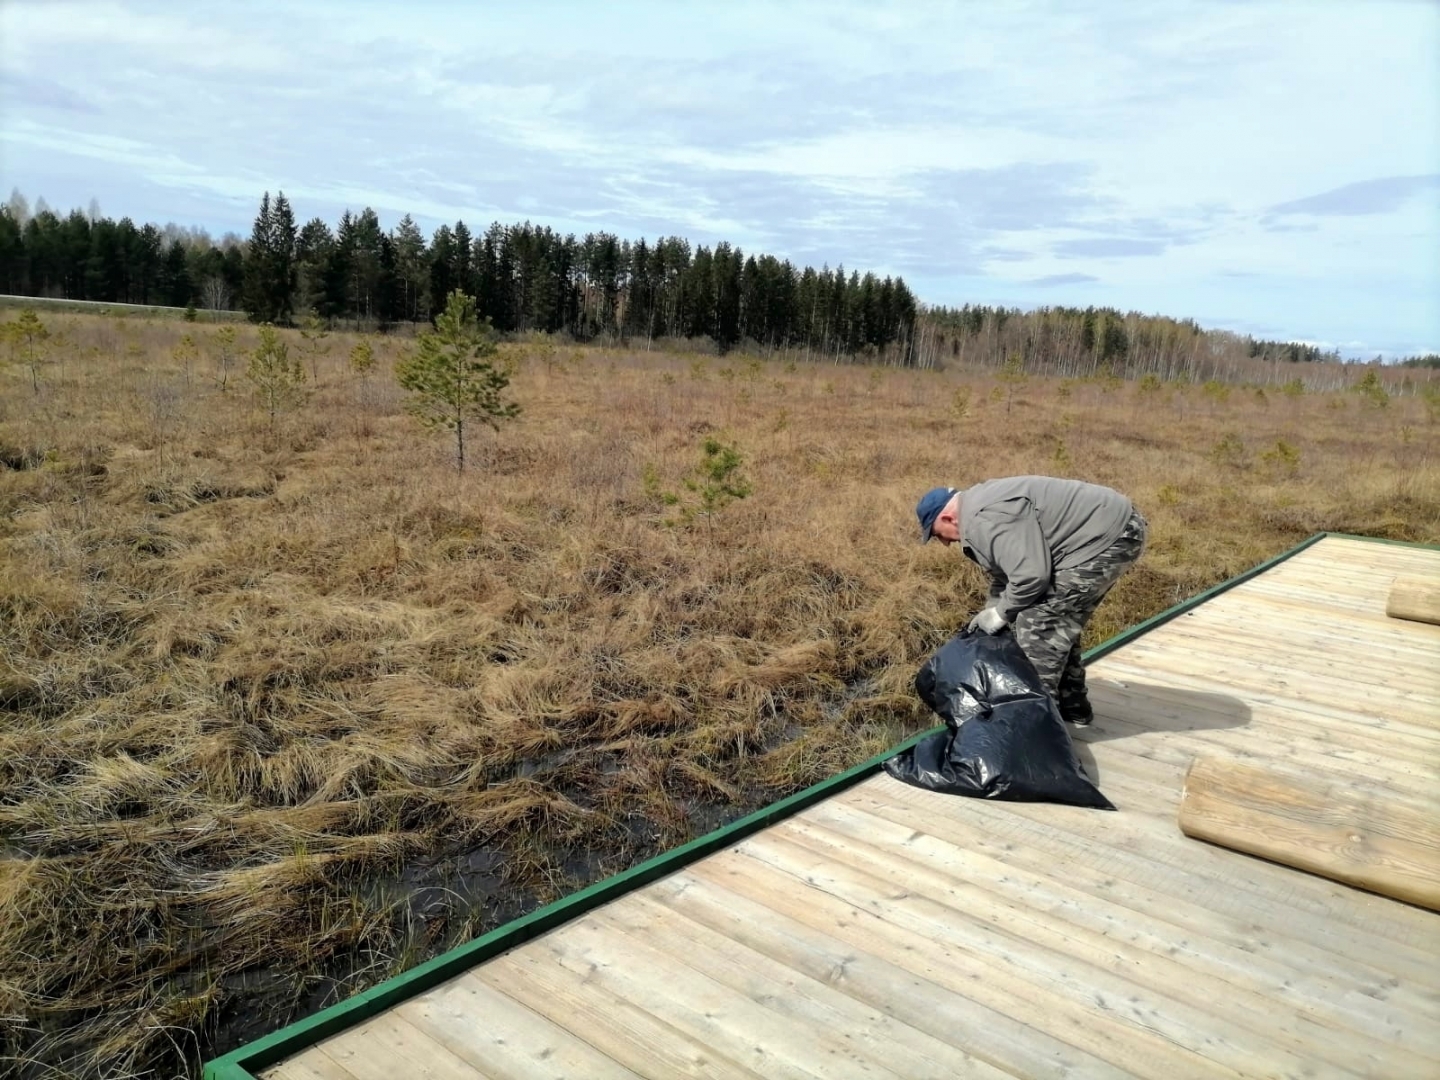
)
(891, 932)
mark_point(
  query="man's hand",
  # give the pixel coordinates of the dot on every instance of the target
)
(989, 621)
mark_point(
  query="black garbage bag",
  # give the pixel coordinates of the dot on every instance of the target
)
(1003, 736)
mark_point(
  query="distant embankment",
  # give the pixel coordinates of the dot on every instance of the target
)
(107, 307)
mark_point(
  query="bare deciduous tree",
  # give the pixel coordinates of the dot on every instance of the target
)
(214, 295)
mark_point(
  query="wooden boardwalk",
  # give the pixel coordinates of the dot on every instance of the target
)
(891, 932)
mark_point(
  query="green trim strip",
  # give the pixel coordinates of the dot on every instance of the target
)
(1165, 616)
(1381, 540)
(1195, 601)
(281, 1044)
(278, 1045)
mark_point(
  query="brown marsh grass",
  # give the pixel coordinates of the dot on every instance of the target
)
(281, 715)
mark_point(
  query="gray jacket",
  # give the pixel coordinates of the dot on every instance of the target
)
(1021, 529)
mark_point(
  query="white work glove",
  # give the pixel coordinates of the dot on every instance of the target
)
(989, 621)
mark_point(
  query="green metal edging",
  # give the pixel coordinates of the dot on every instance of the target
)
(1125, 636)
(1381, 540)
(278, 1045)
(1128, 635)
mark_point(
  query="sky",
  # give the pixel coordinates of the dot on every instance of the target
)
(1267, 168)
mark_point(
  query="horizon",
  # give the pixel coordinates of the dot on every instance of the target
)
(96, 211)
(1023, 158)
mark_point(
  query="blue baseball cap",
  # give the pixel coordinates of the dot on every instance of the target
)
(929, 507)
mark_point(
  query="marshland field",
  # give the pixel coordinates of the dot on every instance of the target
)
(288, 703)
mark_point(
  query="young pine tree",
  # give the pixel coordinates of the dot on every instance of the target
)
(362, 357)
(453, 377)
(279, 381)
(314, 332)
(224, 343)
(29, 339)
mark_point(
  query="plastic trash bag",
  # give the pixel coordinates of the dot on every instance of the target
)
(1003, 736)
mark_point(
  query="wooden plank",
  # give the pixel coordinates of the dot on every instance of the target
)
(900, 1047)
(1231, 701)
(1305, 613)
(1347, 570)
(1043, 992)
(1149, 797)
(739, 1028)
(1375, 752)
(916, 986)
(638, 1039)
(1174, 706)
(1323, 598)
(1307, 667)
(1372, 759)
(494, 1033)
(311, 1065)
(1316, 985)
(1410, 775)
(1006, 937)
(1337, 575)
(1327, 589)
(1371, 930)
(1336, 831)
(831, 1019)
(1369, 553)
(1340, 578)
(1149, 786)
(387, 1046)
(1363, 552)
(1266, 598)
(1216, 671)
(1310, 639)
(1415, 598)
(1171, 889)
(1221, 672)
(1047, 914)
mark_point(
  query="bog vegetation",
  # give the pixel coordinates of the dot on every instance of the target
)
(288, 702)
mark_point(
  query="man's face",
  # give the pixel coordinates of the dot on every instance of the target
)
(947, 526)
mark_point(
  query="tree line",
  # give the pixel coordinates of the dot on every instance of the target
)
(1088, 342)
(84, 256)
(523, 277)
(527, 277)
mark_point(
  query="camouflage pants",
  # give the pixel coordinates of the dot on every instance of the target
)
(1049, 631)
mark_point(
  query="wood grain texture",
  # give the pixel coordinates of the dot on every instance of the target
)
(1416, 599)
(1338, 829)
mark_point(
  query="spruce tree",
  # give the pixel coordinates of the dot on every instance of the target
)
(282, 255)
(258, 263)
(178, 291)
(412, 274)
(442, 260)
(312, 254)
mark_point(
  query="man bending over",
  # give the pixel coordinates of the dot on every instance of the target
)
(1052, 548)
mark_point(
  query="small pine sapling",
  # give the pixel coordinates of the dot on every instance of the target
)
(453, 376)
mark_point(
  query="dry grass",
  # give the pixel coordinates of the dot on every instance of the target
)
(279, 718)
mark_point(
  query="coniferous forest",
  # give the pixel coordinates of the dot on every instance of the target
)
(524, 278)
(530, 278)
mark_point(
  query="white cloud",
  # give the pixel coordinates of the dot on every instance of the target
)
(1003, 147)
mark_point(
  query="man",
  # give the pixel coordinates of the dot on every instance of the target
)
(1052, 548)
